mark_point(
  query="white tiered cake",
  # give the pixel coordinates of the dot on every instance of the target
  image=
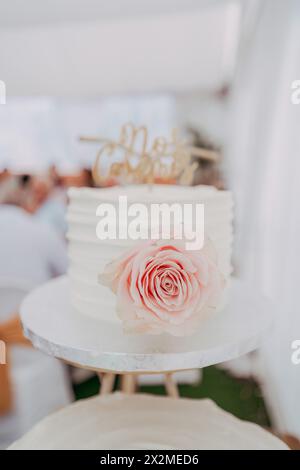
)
(88, 255)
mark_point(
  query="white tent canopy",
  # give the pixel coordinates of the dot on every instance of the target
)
(76, 67)
(17, 13)
(90, 47)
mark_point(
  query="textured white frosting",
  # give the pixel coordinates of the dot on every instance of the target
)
(88, 255)
(145, 422)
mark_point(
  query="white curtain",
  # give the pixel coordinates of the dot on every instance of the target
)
(263, 153)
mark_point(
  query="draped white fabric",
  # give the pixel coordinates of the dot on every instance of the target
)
(263, 153)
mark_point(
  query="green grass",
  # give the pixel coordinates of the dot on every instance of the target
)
(241, 397)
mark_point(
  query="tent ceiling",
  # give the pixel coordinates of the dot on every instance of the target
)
(65, 48)
(20, 13)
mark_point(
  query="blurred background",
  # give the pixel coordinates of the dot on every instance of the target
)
(224, 73)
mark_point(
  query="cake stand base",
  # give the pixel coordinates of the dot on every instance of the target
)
(129, 384)
(55, 327)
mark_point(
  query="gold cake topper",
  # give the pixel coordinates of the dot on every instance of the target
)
(145, 162)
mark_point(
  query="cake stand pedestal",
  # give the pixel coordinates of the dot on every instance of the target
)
(58, 329)
(129, 383)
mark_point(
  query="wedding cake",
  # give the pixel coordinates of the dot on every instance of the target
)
(147, 286)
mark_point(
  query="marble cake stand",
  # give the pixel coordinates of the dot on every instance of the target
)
(55, 327)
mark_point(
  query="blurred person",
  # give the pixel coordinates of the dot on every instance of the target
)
(82, 178)
(4, 173)
(48, 202)
(10, 189)
(54, 175)
(40, 187)
(29, 249)
(208, 172)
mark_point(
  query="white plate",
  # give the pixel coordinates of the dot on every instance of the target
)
(145, 422)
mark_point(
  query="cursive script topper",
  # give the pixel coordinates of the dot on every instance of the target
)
(133, 159)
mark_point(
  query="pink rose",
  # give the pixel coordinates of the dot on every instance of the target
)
(161, 287)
